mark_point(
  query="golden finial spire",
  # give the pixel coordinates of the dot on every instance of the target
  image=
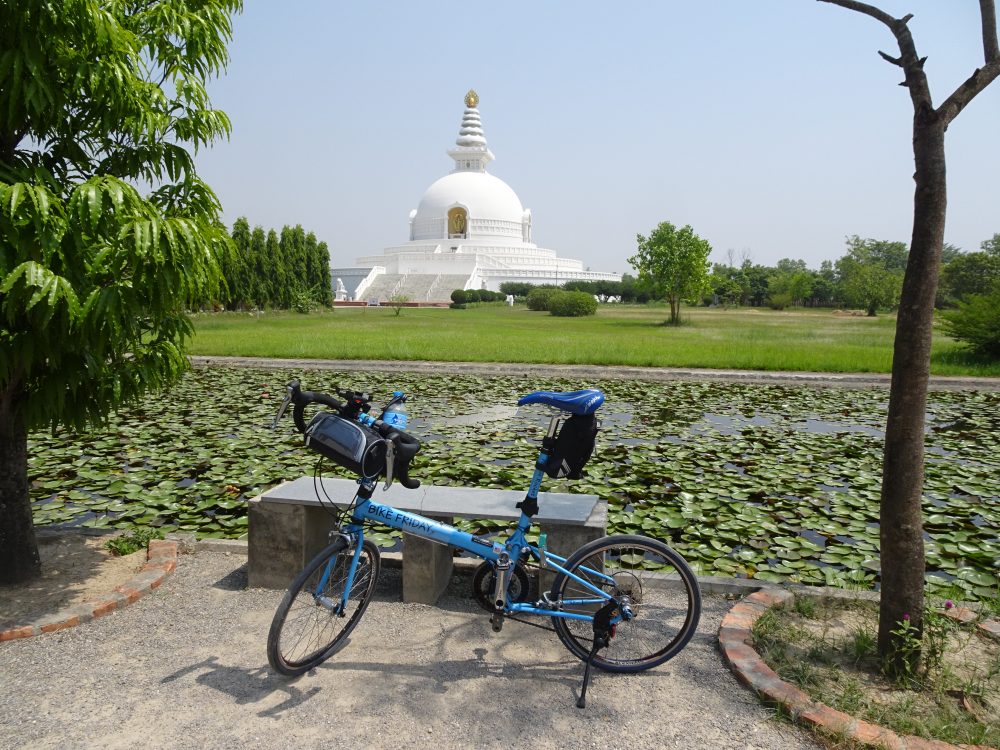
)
(472, 99)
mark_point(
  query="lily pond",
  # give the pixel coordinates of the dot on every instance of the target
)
(770, 482)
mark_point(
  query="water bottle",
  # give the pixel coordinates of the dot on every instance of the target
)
(395, 414)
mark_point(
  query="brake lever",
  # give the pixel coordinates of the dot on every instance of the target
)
(281, 409)
(390, 463)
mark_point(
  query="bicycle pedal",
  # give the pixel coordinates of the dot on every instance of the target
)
(497, 622)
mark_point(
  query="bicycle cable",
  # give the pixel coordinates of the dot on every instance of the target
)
(328, 504)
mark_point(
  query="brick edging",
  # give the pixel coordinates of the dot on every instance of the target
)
(161, 561)
(735, 642)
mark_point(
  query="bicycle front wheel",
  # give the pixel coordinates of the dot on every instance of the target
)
(312, 622)
(661, 588)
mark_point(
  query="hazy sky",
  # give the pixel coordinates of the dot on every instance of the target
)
(772, 127)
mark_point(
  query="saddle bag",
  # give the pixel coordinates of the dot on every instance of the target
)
(357, 448)
(573, 447)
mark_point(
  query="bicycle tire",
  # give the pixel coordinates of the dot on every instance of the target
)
(304, 631)
(665, 614)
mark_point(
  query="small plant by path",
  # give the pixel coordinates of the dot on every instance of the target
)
(828, 649)
(132, 541)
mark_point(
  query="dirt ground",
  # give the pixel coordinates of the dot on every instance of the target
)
(75, 569)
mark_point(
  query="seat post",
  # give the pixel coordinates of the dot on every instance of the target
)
(529, 506)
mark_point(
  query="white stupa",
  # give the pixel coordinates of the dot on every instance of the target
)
(469, 231)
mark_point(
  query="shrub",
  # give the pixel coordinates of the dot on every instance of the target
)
(397, 301)
(779, 301)
(572, 304)
(132, 541)
(459, 296)
(977, 323)
(457, 305)
(302, 301)
(538, 298)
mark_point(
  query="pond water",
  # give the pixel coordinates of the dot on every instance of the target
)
(768, 482)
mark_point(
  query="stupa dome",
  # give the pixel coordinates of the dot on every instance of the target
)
(480, 193)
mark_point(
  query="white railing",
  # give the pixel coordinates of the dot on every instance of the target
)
(367, 281)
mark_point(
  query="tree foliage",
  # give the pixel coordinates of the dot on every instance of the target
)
(95, 275)
(673, 263)
(871, 273)
(266, 272)
(977, 323)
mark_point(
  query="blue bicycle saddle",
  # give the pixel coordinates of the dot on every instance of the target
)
(575, 402)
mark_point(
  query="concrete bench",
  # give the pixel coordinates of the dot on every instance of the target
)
(288, 527)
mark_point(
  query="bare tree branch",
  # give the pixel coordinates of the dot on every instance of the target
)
(890, 58)
(909, 61)
(988, 11)
(979, 80)
(868, 10)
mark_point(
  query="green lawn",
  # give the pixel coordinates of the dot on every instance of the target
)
(751, 339)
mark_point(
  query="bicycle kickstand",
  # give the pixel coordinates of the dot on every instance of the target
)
(603, 632)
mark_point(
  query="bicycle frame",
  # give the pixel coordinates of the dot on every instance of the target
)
(367, 510)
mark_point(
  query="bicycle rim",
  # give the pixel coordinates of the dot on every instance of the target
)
(660, 585)
(308, 626)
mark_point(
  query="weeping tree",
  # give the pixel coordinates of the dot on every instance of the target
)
(901, 517)
(99, 97)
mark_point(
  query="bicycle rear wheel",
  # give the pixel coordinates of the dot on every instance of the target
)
(661, 587)
(309, 625)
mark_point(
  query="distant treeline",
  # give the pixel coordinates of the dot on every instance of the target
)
(272, 270)
(869, 276)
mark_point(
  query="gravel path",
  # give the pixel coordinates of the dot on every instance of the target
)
(186, 668)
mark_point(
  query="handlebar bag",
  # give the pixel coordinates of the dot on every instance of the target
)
(357, 448)
(573, 447)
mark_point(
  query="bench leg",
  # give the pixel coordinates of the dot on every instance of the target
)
(564, 540)
(427, 569)
(283, 538)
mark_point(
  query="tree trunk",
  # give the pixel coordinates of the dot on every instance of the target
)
(675, 309)
(901, 532)
(19, 559)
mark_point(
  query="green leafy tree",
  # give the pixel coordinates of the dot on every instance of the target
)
(259, 276)
(871, 274)
(279, 290)
(673, 263)
(754, 280)
(970, 274)
(991, 246)
(95, 275)
(238, 271)
(792, 282)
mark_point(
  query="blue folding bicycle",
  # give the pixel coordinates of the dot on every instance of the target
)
(623, 603)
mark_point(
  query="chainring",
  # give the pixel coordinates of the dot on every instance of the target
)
(485, 579)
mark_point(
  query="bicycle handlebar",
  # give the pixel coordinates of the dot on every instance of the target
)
(405, 444)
